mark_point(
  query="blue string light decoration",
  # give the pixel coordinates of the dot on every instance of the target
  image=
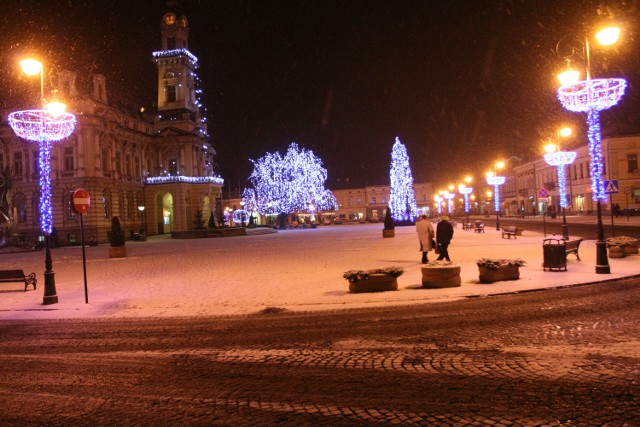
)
(44, 127)
(466, 191)
(402, 201)
(496, 181)
(560, 159)
(591, 97)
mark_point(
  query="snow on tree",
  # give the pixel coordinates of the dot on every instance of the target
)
(290, 183)
(401, 200)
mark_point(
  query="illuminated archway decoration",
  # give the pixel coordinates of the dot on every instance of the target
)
(43, 127)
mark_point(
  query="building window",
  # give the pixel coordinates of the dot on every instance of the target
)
(588, 169)
(127, 165)
(350, 201)
(119, 163)
(106, 204)
(632, 163)
(36, 163)
(136, 166)
(575, 171)
(21, 206)
(359, 201)
(17, 163)
(581, 171)
(67, 202)
(68, 159)
(384, 200)
(171, 93)
(173, 167)
(373, 200)
(105, 162)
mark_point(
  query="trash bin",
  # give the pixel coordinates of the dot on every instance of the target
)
(555, 254)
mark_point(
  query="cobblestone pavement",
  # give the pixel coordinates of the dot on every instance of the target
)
(555, 357)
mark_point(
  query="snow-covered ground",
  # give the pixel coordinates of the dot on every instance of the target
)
(293, 269)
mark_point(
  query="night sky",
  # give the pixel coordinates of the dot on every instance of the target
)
(462, 83)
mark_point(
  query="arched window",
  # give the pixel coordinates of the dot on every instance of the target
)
(20, 205)
(106, 203)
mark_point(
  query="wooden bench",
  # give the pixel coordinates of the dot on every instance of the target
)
(572, 247)
(509, 231)
(466, 226)
(479, 228)
(7, 276)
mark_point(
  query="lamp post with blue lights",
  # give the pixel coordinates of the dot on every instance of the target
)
(496, 181)
(44, 126)
(466, 191)
(555, 157)
(592, 96)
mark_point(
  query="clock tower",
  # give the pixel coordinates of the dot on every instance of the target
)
(178, 105)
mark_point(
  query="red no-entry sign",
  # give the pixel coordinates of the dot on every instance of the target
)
(81, 201)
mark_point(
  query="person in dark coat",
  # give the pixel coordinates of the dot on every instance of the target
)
(444, 234)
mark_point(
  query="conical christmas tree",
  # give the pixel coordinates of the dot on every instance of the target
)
(402, 200)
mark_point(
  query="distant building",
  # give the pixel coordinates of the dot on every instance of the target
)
(152, 171)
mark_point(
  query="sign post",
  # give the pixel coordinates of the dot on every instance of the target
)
(81, 202)
(611, 187)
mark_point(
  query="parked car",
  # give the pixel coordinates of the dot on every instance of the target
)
(630, 212)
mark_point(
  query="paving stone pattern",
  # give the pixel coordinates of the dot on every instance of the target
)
(556, 357)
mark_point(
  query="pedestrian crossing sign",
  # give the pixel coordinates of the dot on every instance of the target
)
(611, 187)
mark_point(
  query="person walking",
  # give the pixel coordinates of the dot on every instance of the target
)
(425, 236)
(444, 234)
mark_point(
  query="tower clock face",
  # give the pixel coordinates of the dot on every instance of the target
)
(169, 19)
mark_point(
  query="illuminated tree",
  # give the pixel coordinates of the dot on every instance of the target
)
(290, 183)
(402, 200)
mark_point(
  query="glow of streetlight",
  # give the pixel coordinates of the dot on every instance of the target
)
(31, 66)
(499, 165)
(608, 36)
(565, 132)
(468, 179)
(489, 174)
(569, 77)
(550, 148)
(56, 109)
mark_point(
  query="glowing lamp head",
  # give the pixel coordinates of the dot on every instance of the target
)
(550, 148)
(499, 165)
(568, 77)
(565, 132)
(31, 66)
(56, 109)
(608, 36)
(468, 179)
(489, 174)
(451, 187)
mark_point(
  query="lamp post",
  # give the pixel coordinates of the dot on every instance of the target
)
(44, 126)
(242, 217)
(592, 96)
(449, 196)
(438, 199)
(141, 208)
(558, 158)
(496, 181)
(466, 191)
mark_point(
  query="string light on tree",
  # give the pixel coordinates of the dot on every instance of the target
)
(401, 200)
(290, 183)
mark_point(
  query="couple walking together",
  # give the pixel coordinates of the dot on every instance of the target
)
(426, 234)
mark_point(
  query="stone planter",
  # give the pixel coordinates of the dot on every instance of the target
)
(616, 251)
(374, 283)
(630, 249)
(117, 251)
(507, 272)
(388, 232)
(441, 277)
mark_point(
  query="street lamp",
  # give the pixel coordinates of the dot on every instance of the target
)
(592, 96)
(449, 196)
(496, 181)
(141, 208)
(466, 191)
(558, 158)
(45, 126)
(438, 199)
(242, 217)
